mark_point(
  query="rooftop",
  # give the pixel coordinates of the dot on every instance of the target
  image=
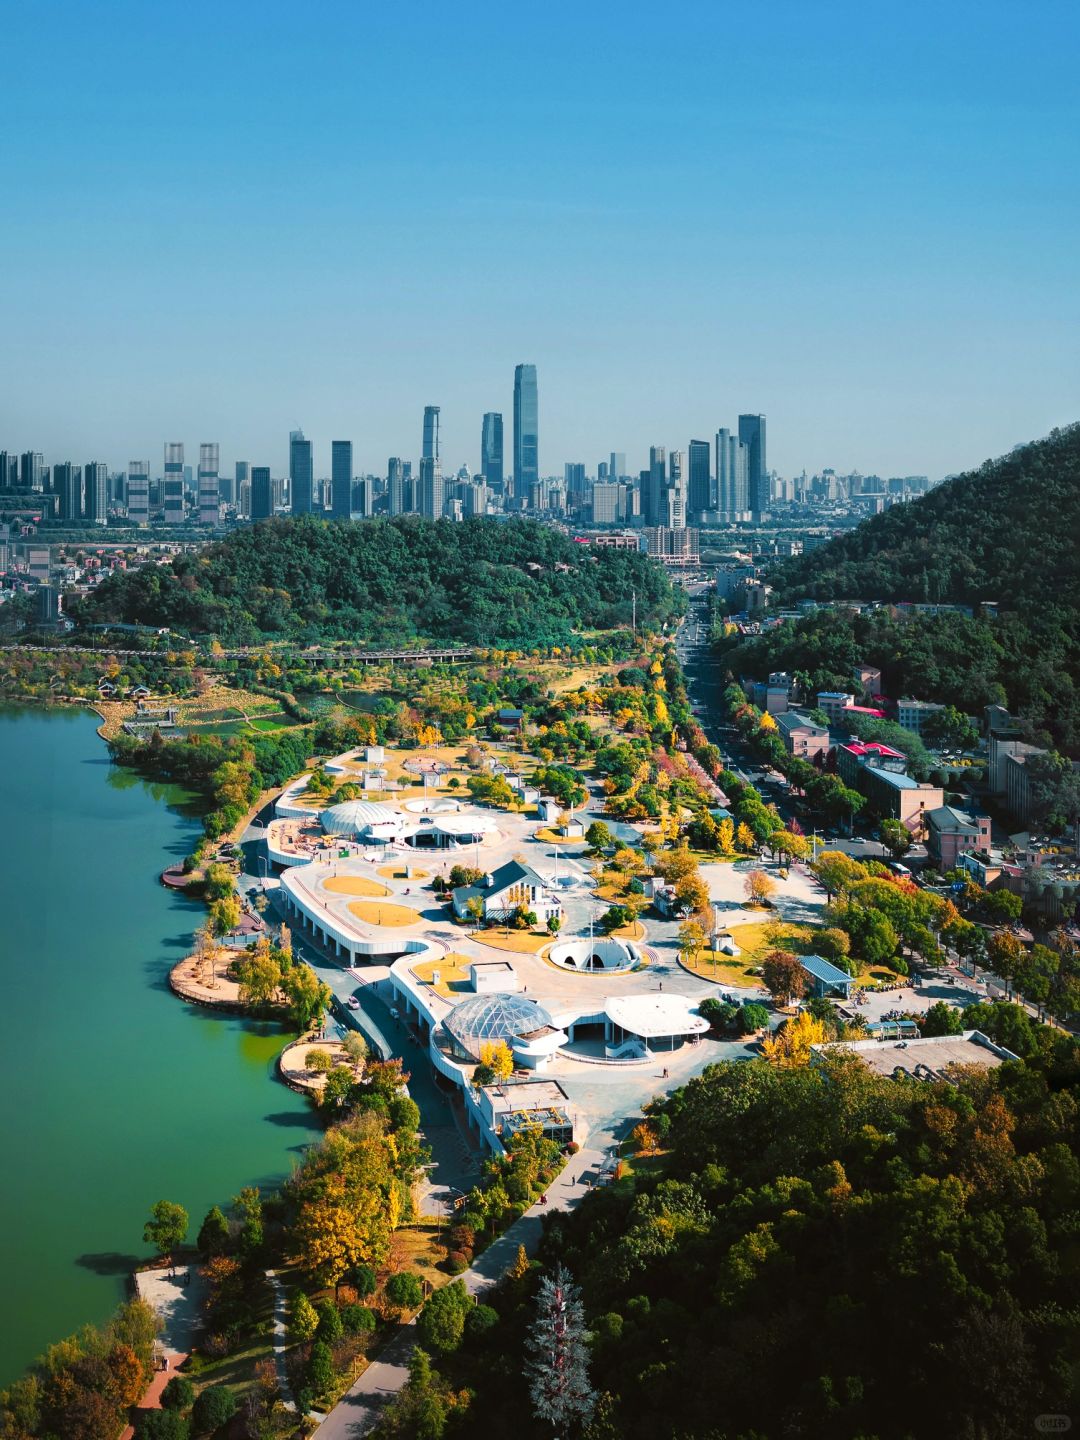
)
(657, 1014)
(873, 747)
(947, 817)
(796, 720)
(924, 1058)
(823, 970)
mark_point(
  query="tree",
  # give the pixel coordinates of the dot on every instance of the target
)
(215, 1407)
(896, 837)
(404, 1291)
(331, 1327)
(225, 914)
(784, 842)
(167, 1228)
(783, 976)
(691, 941)
(318, 1061)
(259, 977)
(303, 1317)
(161, 1425)
(725, 837)
(554, 925)
(598, 836)
(758, 887)
(942, 1019)
(789, 1047)
(338, 1087)
(213, 1238)
(751, 1018)
(498, 1056)
(1005, 956)
(520, 1268)
(355, 1047)
(442, 1320)
(557, 1354)
(308, 996)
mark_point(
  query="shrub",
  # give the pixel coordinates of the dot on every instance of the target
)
(320, 1368)
(363, 1280)
(162, 1425)
(330, 1323)
(480, 1319)
(179, 1394)
(214, 1407)
(358, 1320)
(442, 1320)
(456, 1262)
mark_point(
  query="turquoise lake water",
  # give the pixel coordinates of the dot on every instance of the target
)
(113, 1093)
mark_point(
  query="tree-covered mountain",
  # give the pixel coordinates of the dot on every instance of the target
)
(1005, 532)
(513, 584)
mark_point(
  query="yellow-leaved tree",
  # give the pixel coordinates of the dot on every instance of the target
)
(498, 1055)
(725, 837)
(789, 1048)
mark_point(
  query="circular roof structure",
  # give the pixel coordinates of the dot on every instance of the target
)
(652, 1016)
(487, 1018)
(353, 816)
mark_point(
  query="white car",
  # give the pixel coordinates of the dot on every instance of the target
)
(353, 1003)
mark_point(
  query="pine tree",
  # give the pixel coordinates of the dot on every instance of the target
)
(557, 1363)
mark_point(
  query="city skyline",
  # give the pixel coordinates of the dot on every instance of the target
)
(846, 257)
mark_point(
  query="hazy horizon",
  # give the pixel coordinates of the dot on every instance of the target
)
(234, 220)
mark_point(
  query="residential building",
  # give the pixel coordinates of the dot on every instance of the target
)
(834, 703)
(732, 482)
(617, 466)
(138, 492)
(32, 470)
(173, 487)
(1002, 748)
(67, 484)
(802, 737)
(96, 492)
(607, 504)
(951, 833)
(774, 694)
(395, 486)
(867, 678)
(341, 479)
(675, 494)
(262, 501)
(913, 714)
(526, 429)
(230, 489)
(301, 474)
(208, 491)
(673, 547)
(752, 435)
(732, 577)
(1017, 789)
(491, 450)
(504, 890)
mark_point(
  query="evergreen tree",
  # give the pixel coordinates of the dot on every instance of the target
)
(557, 1363)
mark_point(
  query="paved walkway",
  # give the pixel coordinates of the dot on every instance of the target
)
(280, 1339)
(357, 1413)
(177, 1302)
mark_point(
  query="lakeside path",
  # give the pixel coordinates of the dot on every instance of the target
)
(357, 1413)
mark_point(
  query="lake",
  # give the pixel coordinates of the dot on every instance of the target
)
(113, 1093)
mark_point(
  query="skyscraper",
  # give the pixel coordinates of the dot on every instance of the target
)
(617, 468)
(491, 450)
(230, 489)
(32, 470)
(9, 471)
(341, 479)
(173, 489)
(138, 492)
(432, 489)
(209, 494)
(526, 429)
(752, 434)
(262, 505)
(731, 474)
(67, 484)
(96, 492)
(395, 486)
(652, 501)
(301, 473)
(699, 489)
(674, 516)
(574, 476)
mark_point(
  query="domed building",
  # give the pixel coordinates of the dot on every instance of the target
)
(353, 818)
(524, 1025)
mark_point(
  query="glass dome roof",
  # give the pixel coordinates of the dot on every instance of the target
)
(352, 816)
(487, 1018)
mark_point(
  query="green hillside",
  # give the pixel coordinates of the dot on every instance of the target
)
(1007, 532)
(513, 584)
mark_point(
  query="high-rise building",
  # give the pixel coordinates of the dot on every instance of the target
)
(731, 474)
(607, 504)
(209, 493)
(67, 485)
(363, 496)
(341, 479)
(574, 477)
(617, 468)
(173, 489)
(699, 488)
(96, 492)
(430, 446)
(652, 499)
(675, 494)
(395, 486)
(138, 492)
(301, 473)
(432, 497)
(262, 504)
(476, 498)
(230, 485)
(491, 450)
(526, 429)
(752, 434)
(32, 470)
(9, 471)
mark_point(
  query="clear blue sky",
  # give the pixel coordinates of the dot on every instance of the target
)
(223, 220)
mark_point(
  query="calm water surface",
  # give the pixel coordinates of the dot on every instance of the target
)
(113, 1093)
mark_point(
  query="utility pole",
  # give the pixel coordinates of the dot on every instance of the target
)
(633, 622)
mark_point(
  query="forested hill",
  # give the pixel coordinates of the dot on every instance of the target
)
(385, 582)
(1006, 532)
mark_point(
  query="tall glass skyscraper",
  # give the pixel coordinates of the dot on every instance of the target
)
(752, 435)
(301, 473)
(432, 490)
(209, 494)
(395, 486)
(700, 491)
(526, 429)
(731, 474)
(262, 503)
(430, 449)
(652, 501)
(96, 492)
(138, 492)
(341, 479)
(67, 483)
(173, 489)
(491, 450)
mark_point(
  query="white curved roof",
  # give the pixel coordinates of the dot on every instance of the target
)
(352, 816)
(653, 1015)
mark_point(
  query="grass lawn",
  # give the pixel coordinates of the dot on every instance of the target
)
(753, 943)
(238, 1370)
(548, 837)
(393, 917)
(522, 942)
(453, 973)
(634, 931)
(355, 885)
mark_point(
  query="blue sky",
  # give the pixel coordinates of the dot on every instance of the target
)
(225, 220)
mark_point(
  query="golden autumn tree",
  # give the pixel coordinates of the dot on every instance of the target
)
(789, 1048)
(497, 1055)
